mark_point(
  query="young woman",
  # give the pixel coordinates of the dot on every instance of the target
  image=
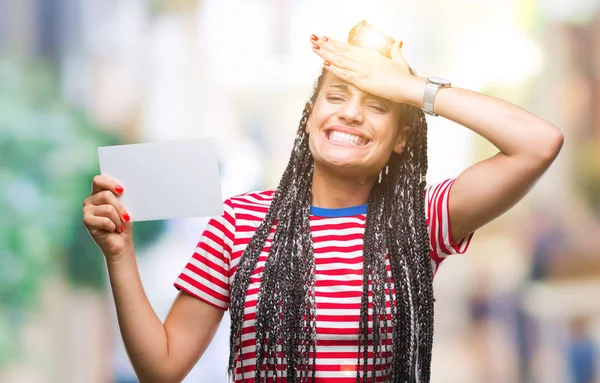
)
(329, 277)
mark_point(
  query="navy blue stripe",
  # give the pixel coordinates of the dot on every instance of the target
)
(340, 212)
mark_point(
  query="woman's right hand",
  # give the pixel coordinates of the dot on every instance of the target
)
(106, 219)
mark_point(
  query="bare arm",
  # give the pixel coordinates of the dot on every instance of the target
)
(528, 145)
(159, 353)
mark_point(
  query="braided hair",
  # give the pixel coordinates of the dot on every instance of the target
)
(285, 323)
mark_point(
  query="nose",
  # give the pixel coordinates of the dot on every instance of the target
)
(351, 112)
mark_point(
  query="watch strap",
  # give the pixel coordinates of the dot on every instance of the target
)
(431, 89)
(429, 97)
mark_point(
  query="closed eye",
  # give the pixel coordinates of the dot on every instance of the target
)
(378, 108)
(335, 98)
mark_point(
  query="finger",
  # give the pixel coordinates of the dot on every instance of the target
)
(341, 73)
(101, 182)
(332, 58)
(106, 211)
(344, 51)
(97, 222)
(396, 53)
(106, 197)
(337, 45)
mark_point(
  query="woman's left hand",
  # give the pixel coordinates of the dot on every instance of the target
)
(366, 69)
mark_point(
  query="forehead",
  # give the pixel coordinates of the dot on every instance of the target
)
(332, 82)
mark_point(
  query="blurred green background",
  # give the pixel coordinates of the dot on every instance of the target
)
(48, 160)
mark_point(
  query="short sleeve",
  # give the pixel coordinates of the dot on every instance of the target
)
(206, 275)
(438, 223)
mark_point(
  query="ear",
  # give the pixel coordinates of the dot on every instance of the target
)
(402, 138)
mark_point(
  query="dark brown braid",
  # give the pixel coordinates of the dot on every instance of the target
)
(285, 323)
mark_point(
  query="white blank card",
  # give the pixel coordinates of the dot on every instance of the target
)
(165, 180)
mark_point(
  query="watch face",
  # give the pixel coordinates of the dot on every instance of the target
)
(440, 81)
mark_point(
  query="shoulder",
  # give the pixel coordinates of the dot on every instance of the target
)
(253, 198)
(255, 203)
(436, 195)
(433, 190)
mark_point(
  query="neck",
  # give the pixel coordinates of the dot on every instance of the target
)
(333, 191)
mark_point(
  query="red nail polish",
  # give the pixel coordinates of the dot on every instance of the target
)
(327, 63)
(126, 217)
(122, 228)
(316, 47)
(313, 38)
(119, 189)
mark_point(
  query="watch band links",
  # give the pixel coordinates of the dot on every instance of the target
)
(432, 86)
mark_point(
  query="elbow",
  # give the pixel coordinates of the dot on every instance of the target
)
(542, 149)
(550, 145)
(554, 144)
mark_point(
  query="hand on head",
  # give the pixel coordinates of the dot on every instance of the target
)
(367, 69)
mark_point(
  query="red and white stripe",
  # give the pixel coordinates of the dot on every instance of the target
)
(338, 245)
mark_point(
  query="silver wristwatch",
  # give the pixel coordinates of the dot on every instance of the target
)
(432, 85)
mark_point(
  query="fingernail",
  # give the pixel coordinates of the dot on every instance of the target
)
(126, 217)
(314, 38)
(327, 63)
(315, 47)
(119, 189)
(400, 45)
(325, 38)
(122, 228)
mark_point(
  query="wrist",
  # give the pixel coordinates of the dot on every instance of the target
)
(413, 90)
(125, 255)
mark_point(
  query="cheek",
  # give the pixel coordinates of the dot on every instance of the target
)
(315, 121)
(310, 126)
(386, 132)
(321, 113)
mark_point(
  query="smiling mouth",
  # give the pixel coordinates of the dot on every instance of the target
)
(334, 135)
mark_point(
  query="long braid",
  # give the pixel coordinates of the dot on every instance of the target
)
(426, 286)
(285, 323)
(411, 265)
(401, 302)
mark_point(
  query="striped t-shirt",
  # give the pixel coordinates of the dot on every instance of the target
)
(338, 244)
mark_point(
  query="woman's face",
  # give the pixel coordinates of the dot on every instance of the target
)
(353, 132)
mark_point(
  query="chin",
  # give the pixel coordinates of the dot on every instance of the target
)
(342, 159)
(351, 167)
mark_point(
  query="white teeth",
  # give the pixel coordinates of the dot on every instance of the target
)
(339, 136)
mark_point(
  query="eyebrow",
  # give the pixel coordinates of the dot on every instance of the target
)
(339, 86)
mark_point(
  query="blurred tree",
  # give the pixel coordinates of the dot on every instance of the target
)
(48, 157)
